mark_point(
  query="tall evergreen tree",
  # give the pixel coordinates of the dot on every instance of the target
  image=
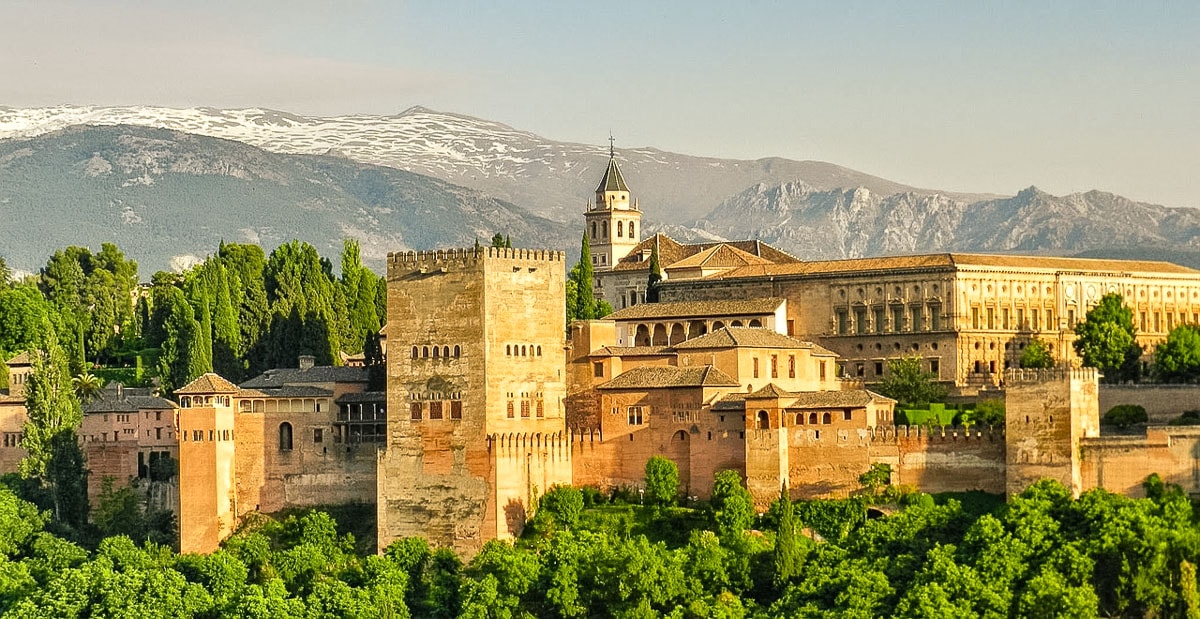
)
(585, 299)
(656, 276)
(181, 334)
(226, 334)
(788, 555)
(376, 370)
(49, 435)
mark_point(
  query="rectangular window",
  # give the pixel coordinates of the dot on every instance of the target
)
(524, 409)
(1004, 319)
(598, 369)
(842, 319)
(510, 413)
(318, 435)
(974, 317)
(1035, 320)
(877, 316)
(1020, 318)
(456, 409)
(774, 366)
(879, 368)
(415, 410)
(991, 318)
(158, 415)
(791, 366)
(1050, 324)
(860, 321)
(791, 327)
(541, 409)
(935, 317)
(1170, 321)
(821, 367)
(918, 322)
(633, 415)
(1142, 322)
(934, 366)
(158, 433)
(1071, 318)
(1157, 322)
(846, 415)
(435, 410)
(897, 319)
(859, 370)
(755, 367)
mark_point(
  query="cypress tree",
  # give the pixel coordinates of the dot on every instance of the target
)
(788, 555)
(585, 304)
(226, 334)
(176, 363)
(49, 435)
(655, 275)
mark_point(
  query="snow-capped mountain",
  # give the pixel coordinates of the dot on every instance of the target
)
(550, 178)
(852, 223)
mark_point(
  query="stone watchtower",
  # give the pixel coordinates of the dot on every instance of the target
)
(1047, 412)
(475, 393)
(613, 223)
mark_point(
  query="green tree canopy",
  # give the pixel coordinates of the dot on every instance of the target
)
(1178, 358)
(662, 480)
(1036, 355)
(1105, 338)
(908, 383)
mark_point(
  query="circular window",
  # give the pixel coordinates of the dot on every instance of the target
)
(859, 348)
(933, 345)
(878, 346)
(916, 346)
(992, 346)
(977, 345)
(896, 345)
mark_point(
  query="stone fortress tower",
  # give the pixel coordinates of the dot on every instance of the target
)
(613, 222)
(475, 390)
(1048, 415)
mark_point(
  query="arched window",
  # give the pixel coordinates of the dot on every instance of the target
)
(285, 436)
(764, 420)
(539, 351)
(826, 418)
(508, 349)
(631, 234)
(457, 351)
(416, 352)
(812, 419)
(425, 352)
(523, 351)
(799, 419)
(593, 229)
(756, 323)
(445, 351)
(435, 352)
(604, 229)
(620, 229)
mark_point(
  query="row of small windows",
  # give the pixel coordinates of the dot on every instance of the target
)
(435, 409)
(197, 436)
(603, 229)
(526, 407)
(12, 439)
(197, 401)
(522, 350)
(763, 420)
(775, 366)
(903, 319)
(424, 352)
(1008, 319)
(860, 370)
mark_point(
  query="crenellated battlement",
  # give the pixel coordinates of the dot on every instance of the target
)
(502, 443)
(887, 434)
(462, 257)
(1028, 375)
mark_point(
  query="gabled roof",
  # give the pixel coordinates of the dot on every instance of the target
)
(699, 309)
(21, 359)
(631, 351)
(850, 398)
(287, 391)
(314, 375)
(656, 377)
(719, 256)
(208, 383)
(376, 397)
(748, 337)
(769, 391)
(671, 252)
(612, 181)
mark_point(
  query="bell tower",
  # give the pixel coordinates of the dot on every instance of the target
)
(614, 223)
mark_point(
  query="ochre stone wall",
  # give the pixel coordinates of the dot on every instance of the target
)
(950, 459)
(1163, 403)
(503, 310)
(1048, 413)
(1121, 463)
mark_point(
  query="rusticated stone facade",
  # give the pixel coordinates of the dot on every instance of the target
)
(475, 386)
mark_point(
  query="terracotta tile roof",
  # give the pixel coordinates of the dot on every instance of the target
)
(632, 351)
(719, 256)
(749, 337)
(126, 399)
(805, 399)
(953, 261)
(295, 376)
(208, 383)
(671, 252)
(699, 309)
(287, 391)
(768, 391)
(377, 397)
(21, 359)
(656, 377)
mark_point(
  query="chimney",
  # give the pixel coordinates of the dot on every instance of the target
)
(120, 390)
(307, 362)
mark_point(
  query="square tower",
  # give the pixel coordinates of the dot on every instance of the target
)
(475, 391)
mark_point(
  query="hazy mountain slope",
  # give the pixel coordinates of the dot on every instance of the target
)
(166, 195)
(817, 224)
(550, 178)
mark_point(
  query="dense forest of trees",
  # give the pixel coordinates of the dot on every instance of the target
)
(583, 554)
(237, 313)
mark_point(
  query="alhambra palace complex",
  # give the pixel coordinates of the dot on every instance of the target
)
(752, 360)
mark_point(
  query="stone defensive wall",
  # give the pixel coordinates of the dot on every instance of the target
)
(944, 459)
(1120, 463)
(1162, 402)
(1017, 376)
(556, 445)
(461, 258)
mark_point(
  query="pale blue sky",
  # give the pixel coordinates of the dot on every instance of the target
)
(968, 96)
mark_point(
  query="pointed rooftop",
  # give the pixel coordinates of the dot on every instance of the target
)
(206, 384)
(612, 181)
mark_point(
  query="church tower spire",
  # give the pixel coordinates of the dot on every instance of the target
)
(614, 223)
